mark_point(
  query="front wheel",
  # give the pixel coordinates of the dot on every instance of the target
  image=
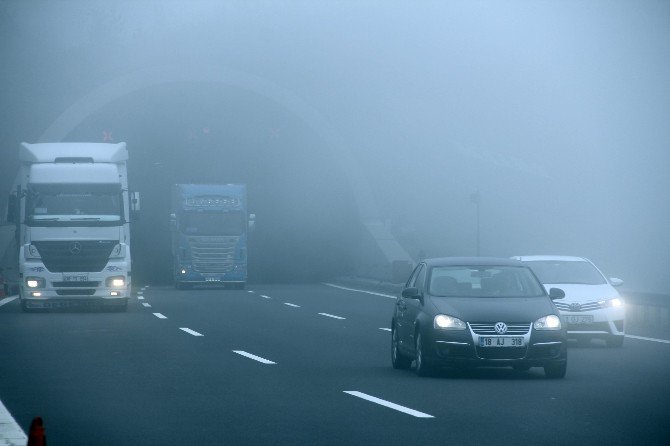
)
(421, 366)
(556, 370)
(398, 360)
(614, 341)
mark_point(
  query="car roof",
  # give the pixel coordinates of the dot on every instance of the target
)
(550, 257)
(472, 261)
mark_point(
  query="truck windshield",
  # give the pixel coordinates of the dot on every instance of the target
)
(210, 223)
(74, 202)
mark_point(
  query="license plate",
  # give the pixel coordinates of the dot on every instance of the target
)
(499, 341)
(75, 278)
(579, 319)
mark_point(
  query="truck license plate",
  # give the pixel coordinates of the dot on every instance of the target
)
(499, 341)
(75, 278)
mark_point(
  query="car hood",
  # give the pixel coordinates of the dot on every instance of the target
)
(494, 309)
(581, 293)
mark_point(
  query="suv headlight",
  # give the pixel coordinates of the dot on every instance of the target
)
(116, 281)
(551, 322)
(31, 252)
(35, 282)
(444, 322)
(611, 303)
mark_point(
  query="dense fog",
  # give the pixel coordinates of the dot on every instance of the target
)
(554, 114)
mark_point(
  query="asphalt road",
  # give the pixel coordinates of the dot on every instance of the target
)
(302, 364)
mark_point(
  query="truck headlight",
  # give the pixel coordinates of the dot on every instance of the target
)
(35, 282)
(551, 322)
(116, 281)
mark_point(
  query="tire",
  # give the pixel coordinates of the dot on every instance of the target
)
(398, 360)
(421, 366)
(614, 341)
(556, 370)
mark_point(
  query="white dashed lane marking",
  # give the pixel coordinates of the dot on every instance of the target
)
(331, 315)
(642, 338)
(291, 305)
(385, 329)
(160, 316)
(394, 406)
(146, 305)
(7, 300)
(254, 357)
(267, 297)
(191, 332)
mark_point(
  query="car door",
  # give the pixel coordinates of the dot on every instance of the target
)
(401, 306)
(413, 307)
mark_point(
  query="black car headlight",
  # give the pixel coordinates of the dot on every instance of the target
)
(550, 322)
(445, 322)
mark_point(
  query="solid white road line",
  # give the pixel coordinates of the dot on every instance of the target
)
(11, 433)
(7, 300)
(664, 341)
(359, 291)
(267, 297)
(408, 411)
(160, 316)
(189, 331)
(291, 305)
(254, 357)
(385, 329)
(332, 315)
(146, 304)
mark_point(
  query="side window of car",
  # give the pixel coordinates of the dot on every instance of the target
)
(412, 277)
(421, 278)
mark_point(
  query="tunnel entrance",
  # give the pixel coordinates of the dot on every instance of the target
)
(205, 132)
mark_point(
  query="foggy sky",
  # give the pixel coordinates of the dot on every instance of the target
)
(556, 111)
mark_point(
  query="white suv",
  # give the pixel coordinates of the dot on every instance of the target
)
(592, 308)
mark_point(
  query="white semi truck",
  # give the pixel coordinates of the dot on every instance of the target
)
(71, 207)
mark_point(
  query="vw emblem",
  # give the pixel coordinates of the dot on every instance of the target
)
(575, 307)
(75, 248)
(501, 328)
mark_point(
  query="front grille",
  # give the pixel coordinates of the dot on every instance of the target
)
(87, 284)
(75, 256)
(576, 307)
(488, 328)
(501, 352)
(75, 292)
(213, 255)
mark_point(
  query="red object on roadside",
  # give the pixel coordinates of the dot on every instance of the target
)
(36, 436)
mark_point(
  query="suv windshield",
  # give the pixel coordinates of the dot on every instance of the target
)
(563, 271)
(484, 281)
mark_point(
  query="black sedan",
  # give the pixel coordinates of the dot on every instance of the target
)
(476, 311)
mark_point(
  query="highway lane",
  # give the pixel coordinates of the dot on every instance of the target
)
(272, 366)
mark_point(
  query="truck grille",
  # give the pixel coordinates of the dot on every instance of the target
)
(213, 255)
(75, 255)
(489, 328)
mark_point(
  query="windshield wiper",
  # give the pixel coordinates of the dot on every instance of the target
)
(86, 218)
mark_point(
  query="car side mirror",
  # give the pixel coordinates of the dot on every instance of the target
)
(411, 293)
(615, 281)
(556, 293)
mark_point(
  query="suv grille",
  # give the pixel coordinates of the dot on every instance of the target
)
(75, 256)
(489, 328)
(213, 254)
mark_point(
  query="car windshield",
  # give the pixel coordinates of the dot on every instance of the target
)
(74, 202)
(211, 223)
(484, 281)
(562, 271)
